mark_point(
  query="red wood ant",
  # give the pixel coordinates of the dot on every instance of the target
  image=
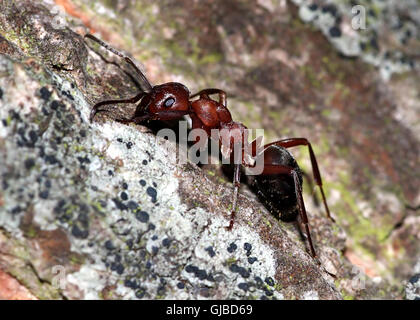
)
(279, 185)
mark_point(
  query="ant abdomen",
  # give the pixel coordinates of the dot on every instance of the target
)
(277, 191)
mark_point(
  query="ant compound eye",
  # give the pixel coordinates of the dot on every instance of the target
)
(169, 102)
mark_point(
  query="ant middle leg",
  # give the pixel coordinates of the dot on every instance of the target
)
(293, 142)
(236, 185)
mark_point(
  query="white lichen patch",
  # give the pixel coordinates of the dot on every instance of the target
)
(90, 280)
(372, 30)
(310, 295)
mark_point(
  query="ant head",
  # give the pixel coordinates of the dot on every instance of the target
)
(168, 101)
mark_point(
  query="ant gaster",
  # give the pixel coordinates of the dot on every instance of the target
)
(279, 185)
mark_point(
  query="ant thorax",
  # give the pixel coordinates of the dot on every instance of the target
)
(233, 139)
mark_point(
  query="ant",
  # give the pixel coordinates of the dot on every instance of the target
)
(279, 185)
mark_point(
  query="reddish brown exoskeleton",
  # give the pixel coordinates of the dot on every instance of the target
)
(279, 185)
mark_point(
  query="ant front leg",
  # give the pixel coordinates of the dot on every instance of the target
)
(273, 169)
(206, 92)
(292, 142)
(160, 115)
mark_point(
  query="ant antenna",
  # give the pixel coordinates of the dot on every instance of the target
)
(147, 86)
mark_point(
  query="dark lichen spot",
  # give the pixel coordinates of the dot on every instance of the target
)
(83, 160)
(247, 248)
(124, 196)
(166, 242)
(1, 93)
(155, 250)
(129, 145)
(117, 267)
(161, 290)
(210, 278)
(269, 281)
(48, 184)
(148, 265)
(264, 297)
(83, 219)
(335, 32)
(45, 94)
(144, 162)
(16, 210)
(79, 233)
(132, 205)
(251, 260)
(44, 194)
(120, 140)
(313, 7)
(51, 159)
(244, 286)
(142, 216)
(258, 281)
(103, 203)
(180, 285)
(119, 204)
(142, 182)
(414, 279)
(234, 268)
(125, 186)
(109, 245)
(29, 163)
(67, 94)
(330, 9)
(140, 293)
(210, 251)
(131, 284)
(151, 226)
(33, 136)
(15, 115)
(232, 247)
(56, 104)
(374, 44)
(45, 111)
(60, 206)
(201, 274)
(244, 272)
(152, 193)
(110, 173)
(120, 269)
(268, 292)
(191, 269)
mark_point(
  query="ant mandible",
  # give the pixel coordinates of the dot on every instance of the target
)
(279, 185)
